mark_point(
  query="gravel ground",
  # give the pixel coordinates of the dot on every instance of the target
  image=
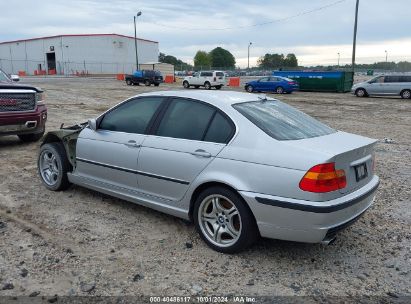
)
(79, 242)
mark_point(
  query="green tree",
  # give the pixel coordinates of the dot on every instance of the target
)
(178, 64)
(222, 58)
(271, 61)
(202, 59)
(290, 60)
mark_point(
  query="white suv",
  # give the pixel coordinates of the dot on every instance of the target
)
(206, 79)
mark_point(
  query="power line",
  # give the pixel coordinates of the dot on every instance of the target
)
(256, 24)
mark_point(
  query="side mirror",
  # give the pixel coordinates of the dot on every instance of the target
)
(15, 77)
(92, 123)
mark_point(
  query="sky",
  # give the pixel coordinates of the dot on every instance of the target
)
(316, 30)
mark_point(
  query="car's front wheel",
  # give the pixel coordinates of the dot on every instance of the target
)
(361, 92)
(405, 94)
(224, 221)
(207, 85)
(279, 90)
(53, 166)
(218, 87)
(186, 85)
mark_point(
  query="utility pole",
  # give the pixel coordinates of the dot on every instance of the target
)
(135, 38)
(355, 35)
(248, 62)
(338, 59)
(386, 57)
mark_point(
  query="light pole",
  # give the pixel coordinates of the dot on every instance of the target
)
(135, 37)
(248, 62)
(355, 35)
(386, 57)
(338, 59)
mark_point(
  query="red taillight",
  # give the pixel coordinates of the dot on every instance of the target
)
(291, 83)
(323, 178)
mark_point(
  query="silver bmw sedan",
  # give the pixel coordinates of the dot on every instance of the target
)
(238, 165)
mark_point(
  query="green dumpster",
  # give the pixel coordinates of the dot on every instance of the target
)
(330, 81)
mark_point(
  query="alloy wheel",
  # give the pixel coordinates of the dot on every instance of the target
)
(219, 220)
(49, 168)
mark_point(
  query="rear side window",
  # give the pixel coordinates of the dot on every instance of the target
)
(219, 74)
(405, 78)
(281, 121)
(132, 116)
(206, 74)
(392, 79)
(220, 130)
(185, 119)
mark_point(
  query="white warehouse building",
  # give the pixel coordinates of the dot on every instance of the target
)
(76, 54)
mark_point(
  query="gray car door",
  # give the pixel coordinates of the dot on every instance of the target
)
(187, 139)
(109, 154)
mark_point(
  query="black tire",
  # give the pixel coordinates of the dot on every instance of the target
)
(207, 85)
(249, 88)
(218, 87)
(147, 83)
(360, 92)
(57, 149)
(156, 84)
(186, 85)
(279, 90)
(248, 232)
(405, 94)
(31, 137)
(128, 82)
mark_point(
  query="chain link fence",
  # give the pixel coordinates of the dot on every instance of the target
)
(87, 68)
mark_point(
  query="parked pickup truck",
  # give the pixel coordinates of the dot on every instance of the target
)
(22, 111)
(148, 77)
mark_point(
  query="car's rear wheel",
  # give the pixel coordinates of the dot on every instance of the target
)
(224, 221)
(361, 92)
(406, 94)
(186, 85)
(207, 85)
(218, 87)
(249, 88)
(53, 166)
(128, 82)
(147, 83)
(31, 137)
(279, 90)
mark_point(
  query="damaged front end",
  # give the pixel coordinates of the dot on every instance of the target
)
(68, 136)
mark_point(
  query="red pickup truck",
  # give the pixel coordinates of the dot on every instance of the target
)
(22, 110)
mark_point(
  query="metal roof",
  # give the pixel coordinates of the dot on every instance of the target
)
(75, 35)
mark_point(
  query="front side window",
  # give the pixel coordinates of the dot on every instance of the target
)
(132, 116)
(185, 119)
(282, 121)
(265, 79)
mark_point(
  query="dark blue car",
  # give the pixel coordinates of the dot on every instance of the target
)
(275, 84)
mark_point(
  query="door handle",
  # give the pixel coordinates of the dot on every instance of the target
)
(133, 144)
(201, 153)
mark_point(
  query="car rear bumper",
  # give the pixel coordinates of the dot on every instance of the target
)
(307, 221)
(23, 122)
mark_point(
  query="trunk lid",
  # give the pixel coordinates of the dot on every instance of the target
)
(352, 153)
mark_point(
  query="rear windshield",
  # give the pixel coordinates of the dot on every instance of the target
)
(282, 121)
